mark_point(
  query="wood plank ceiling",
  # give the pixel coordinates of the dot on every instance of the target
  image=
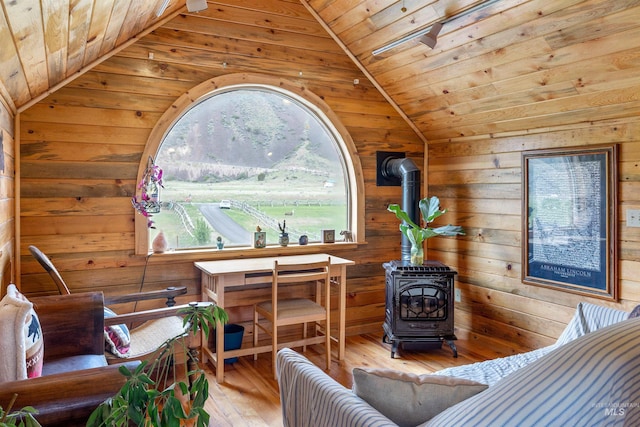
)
(512, 65)
(43, 44)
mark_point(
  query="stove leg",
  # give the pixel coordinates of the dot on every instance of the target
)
(394, 344)
(453, 348)
(394, 348)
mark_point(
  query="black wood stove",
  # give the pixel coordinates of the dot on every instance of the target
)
(419, 305)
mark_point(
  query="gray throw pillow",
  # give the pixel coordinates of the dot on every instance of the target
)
(408, 399)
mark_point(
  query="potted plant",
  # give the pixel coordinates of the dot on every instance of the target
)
(219, 242)
(22, 418)
(283, 239)
(416, 233)
(152, 395)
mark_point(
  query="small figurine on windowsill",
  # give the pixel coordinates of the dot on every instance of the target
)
(347, 234)
(219, 242)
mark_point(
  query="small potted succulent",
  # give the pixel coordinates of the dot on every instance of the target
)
(283, 239)
(219, 242)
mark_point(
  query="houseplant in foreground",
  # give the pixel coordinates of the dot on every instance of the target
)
(416, 233)
(152, 395)
(21, 418)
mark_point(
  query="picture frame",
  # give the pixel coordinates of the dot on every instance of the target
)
(259, 239)
(569, 228)
(328, 236)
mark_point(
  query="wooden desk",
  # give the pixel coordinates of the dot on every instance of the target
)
(218, 275)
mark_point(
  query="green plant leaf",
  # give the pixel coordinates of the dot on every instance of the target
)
(430, 210)
(449, 230)
(402, 215)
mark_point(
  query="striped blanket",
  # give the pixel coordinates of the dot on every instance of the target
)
(587, 318)
(591, 381)
(545, 387)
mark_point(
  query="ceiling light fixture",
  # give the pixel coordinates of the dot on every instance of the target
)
(162, 8)
(431, 38)
(429, 35)
(196, 5)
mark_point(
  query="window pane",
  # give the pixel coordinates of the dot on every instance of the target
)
(245, 158)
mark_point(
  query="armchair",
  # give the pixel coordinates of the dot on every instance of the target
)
(76, 377)
(152, 327)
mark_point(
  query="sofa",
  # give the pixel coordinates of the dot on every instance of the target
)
(72, 376)
(590, 376)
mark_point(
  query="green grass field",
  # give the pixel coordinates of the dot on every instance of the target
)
(312, 207)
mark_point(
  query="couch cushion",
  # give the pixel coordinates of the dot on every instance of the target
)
(74, 363)
(21, 338)
(408, 399)
(593, 380)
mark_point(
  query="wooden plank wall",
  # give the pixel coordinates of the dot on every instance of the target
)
(479, 179)
(81, 147)
(516, 75)
(574, 97)
(566, 81)
(7, 197)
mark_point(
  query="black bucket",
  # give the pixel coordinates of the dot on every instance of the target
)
(232, 339)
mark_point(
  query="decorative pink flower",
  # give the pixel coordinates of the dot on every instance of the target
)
(153, 174)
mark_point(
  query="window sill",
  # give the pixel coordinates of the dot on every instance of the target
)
(245, 252)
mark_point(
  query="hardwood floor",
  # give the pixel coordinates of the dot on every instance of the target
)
(249, 395)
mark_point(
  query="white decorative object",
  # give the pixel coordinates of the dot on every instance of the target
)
(159, 244)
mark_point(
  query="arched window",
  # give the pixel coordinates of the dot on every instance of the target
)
(253, 155)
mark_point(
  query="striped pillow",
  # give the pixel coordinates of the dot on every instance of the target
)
(117, 338)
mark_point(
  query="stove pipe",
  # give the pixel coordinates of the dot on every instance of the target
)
(408, 172)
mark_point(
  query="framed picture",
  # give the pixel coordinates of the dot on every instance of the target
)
(569, 220)
(259, 239)
(328, 236)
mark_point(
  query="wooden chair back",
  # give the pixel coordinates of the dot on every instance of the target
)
(46, 263)
(71, 324)
(317, 272)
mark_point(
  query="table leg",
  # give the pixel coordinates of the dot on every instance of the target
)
(213, 290)
(342, 306)
(220, 354)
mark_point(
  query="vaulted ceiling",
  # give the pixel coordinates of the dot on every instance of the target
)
(43, 44)
(511, 65)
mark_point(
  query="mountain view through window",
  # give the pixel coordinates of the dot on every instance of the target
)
(248, 158)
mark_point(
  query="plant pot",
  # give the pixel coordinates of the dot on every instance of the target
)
(417, 255)
(233, 335)
(283, 239)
